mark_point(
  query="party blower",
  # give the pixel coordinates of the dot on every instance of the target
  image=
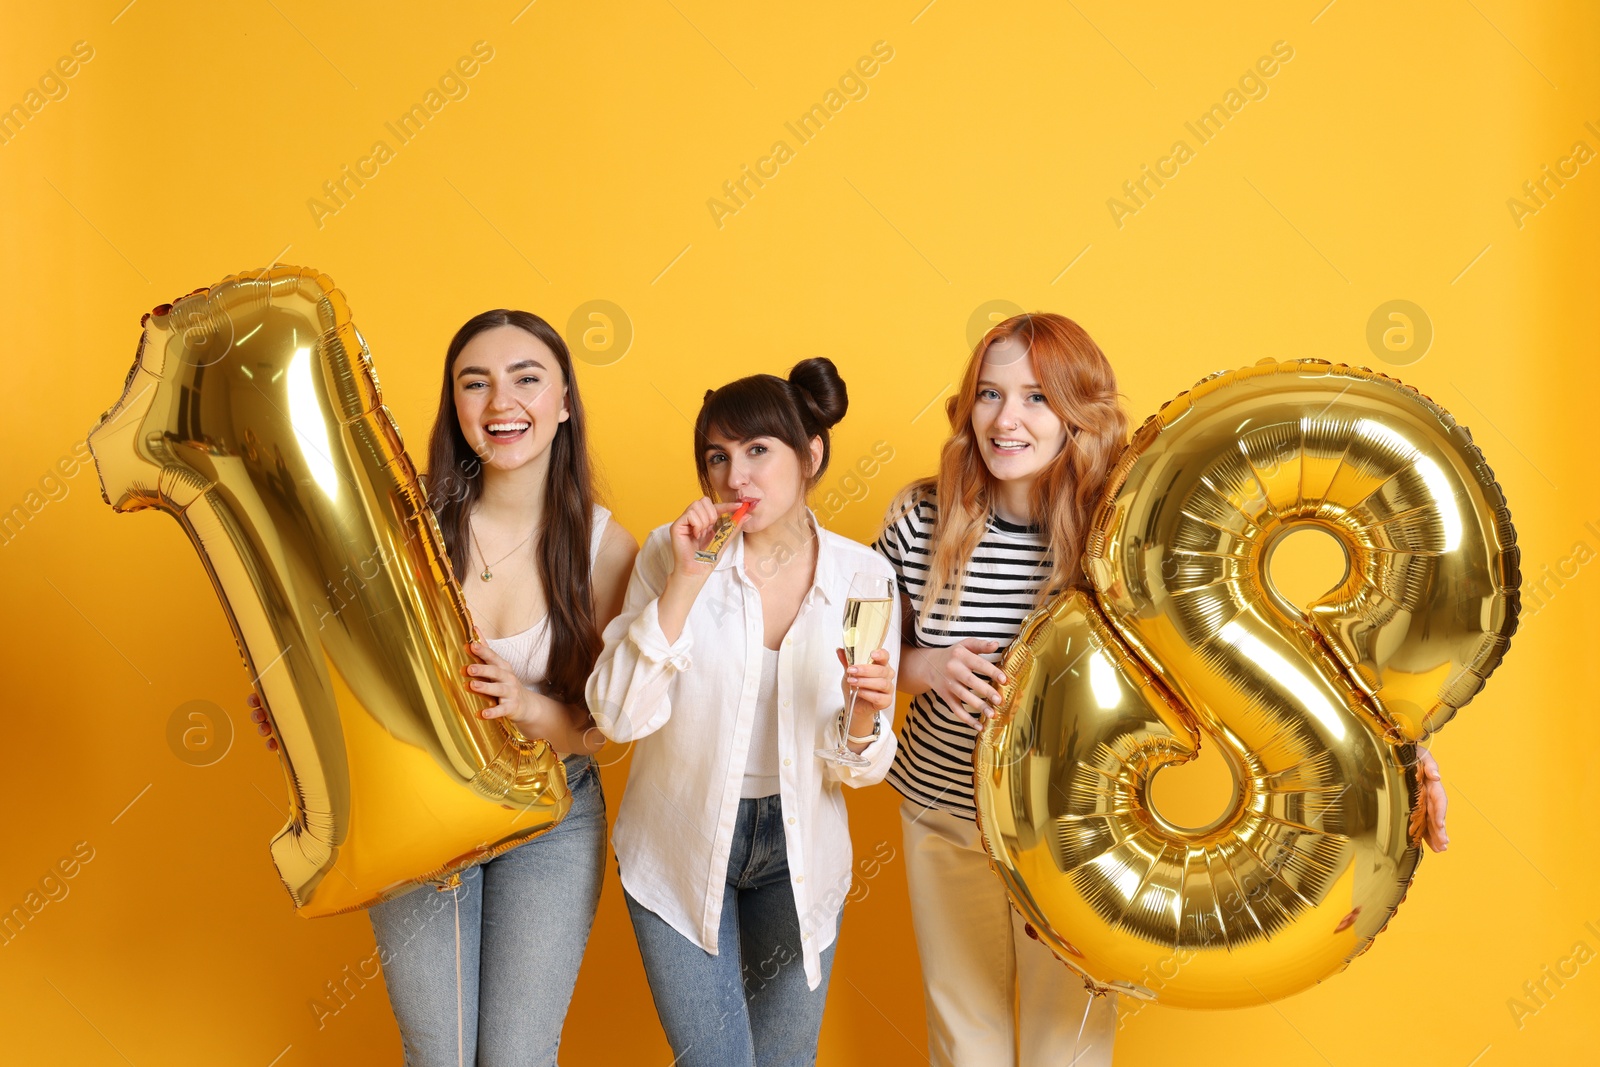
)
(252, 415)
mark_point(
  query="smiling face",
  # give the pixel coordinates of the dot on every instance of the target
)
(510, 396)
(1017, 433)
(762, 469)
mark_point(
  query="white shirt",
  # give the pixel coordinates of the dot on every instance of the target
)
(691, 705)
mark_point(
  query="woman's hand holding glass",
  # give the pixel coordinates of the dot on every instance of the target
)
(872, 684)
(868, 682)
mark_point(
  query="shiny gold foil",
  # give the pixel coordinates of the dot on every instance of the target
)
(252, 415)
(1186, 642)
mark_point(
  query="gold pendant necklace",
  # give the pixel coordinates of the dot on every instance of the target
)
(487, 573)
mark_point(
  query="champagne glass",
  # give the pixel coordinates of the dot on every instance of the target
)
(867, 611)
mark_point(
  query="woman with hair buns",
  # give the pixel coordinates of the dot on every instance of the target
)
(1035, 429)
(732, 841)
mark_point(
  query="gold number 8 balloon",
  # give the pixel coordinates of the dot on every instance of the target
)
(252, 415)
(1186, 641)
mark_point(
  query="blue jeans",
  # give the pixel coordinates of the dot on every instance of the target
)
(525, 919)
(749, 1004)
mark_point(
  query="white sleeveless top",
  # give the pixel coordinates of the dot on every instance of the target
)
(761, 764)
(529, 651)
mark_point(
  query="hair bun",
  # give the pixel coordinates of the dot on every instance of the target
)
(821, 391)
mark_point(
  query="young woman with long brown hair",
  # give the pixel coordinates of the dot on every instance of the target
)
(543, 569)
(1035, 428)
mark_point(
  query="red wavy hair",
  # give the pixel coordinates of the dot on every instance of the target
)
(1081, 389)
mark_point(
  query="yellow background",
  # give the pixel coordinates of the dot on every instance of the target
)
(578, 167)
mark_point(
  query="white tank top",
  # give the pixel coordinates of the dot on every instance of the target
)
(529, 651)
(761, 763)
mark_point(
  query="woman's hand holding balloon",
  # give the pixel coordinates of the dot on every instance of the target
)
(258, 715)
(533, 713)
(968, 683)
(1427, 821)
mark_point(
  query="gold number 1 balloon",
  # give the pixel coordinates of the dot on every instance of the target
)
(252, 415)
(1187, 642)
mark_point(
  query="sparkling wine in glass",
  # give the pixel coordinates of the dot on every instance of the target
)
(867, 611)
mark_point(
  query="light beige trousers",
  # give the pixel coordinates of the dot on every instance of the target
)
(979, 966)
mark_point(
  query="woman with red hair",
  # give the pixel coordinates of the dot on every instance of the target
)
(1035, 430)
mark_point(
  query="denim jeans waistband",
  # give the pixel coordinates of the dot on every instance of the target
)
(758, 852)
(576, 765)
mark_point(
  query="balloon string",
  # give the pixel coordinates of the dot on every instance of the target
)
(455, 895)
(1088, 1002)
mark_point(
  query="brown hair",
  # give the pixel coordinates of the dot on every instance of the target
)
(793, 410)
(1081, 389)
(455, 481)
